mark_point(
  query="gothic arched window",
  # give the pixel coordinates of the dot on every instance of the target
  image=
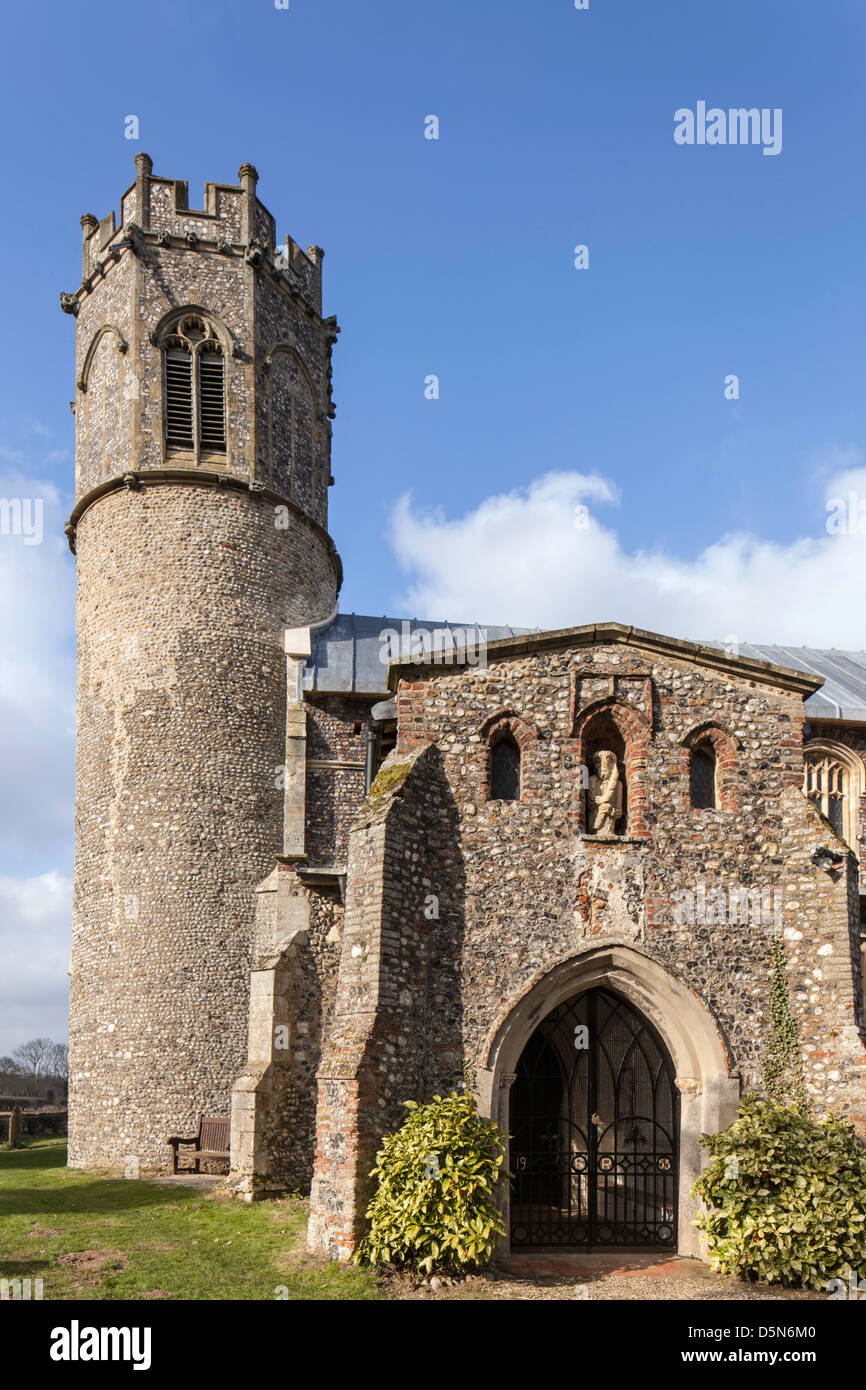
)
(702, 777)
(195, 416)
(505, 769)
(833, 781)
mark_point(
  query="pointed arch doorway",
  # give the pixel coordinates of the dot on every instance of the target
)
(594, 1120)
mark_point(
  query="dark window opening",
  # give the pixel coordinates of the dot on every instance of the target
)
(505, 769)
(385, 742)
(703, 778)
(836, 815)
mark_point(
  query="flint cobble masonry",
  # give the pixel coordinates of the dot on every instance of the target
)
(185, 585)
(257, 930)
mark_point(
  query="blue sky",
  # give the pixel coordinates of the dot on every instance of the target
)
(454, 257)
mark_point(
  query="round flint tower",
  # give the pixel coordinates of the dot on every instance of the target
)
(200, 529)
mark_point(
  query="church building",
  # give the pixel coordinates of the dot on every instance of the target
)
(328, 863)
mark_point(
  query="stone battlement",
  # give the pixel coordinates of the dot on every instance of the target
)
(155, 210)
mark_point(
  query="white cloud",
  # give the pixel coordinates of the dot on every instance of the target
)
(520, 558)
(34, 948)
(37, 714)
(37, 681)
(36, 427)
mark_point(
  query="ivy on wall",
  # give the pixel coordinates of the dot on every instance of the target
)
(783, 1068)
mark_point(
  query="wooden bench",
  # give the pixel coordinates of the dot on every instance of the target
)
(212, 1141)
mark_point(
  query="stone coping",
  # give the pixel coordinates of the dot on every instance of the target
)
(610, 633)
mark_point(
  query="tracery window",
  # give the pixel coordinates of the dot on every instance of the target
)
(827, 784)
(833, 779)
(194, 387)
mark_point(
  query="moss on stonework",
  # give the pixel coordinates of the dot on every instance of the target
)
(387, 782)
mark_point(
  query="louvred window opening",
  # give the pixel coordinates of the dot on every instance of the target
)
(178, 398)
(195, 416)
(212, 423)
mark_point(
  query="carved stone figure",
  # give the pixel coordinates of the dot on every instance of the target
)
(604, 795)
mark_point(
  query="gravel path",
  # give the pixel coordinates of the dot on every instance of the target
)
(608, 1287)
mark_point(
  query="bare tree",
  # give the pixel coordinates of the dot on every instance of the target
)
(32, 1057)
(58, 1063)
(10, 1075)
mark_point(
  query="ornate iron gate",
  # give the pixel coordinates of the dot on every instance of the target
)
(594, 1123)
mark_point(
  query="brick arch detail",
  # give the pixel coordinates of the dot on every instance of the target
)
(508, 721)
(496, 727)
(725, 745)
(716, 733)
(635, 731)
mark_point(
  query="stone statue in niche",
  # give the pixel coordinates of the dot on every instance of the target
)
(604, 795)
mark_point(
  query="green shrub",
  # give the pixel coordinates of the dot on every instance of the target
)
(435, 1203)
(786, 1196)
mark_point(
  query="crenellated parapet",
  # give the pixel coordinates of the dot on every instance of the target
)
(201, 347)
(155, 211)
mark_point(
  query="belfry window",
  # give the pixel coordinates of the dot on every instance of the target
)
(194, 388)
(505, 769)
(702, 777)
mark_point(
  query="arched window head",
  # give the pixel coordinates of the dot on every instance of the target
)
(832, 780)
(702, 777)
(195, 416)
(505, 769)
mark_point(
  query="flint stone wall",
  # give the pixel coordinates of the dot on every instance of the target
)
(183, 595)
(522, 888)
(184, 590)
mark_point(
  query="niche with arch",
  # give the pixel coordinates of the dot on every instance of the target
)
(611, 742)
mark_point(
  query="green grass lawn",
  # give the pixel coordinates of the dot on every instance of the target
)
(93, 1237)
